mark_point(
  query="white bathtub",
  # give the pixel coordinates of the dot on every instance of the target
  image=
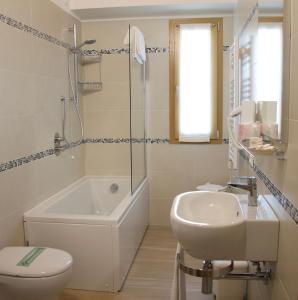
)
(102, 230)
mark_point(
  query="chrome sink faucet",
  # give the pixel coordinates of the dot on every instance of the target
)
(247, 183)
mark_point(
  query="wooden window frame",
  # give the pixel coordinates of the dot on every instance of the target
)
(270, 19)
(173, 63)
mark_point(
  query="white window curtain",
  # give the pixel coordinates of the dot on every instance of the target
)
(269, 64)
(194, 92)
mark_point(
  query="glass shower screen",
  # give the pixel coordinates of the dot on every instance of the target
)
(137, 76)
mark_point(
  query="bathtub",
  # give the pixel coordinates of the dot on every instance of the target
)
(99, 223)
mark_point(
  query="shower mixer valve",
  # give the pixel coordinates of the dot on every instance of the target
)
(58, 146)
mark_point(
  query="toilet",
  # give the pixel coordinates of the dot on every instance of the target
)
(33, 273)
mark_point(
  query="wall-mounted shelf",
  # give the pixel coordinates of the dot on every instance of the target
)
(91, 59)
(90, 86)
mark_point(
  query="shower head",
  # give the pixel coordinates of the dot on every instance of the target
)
(86, 42)
(90, 42)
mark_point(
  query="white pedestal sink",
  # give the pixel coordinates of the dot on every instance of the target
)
(221, 226)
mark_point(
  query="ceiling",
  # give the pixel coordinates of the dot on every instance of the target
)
(115, 9)
(151, 11)
(109, 9)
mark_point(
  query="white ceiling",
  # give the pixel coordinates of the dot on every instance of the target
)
(112, 9)
(109, 9)
(151, 11)
(83, 4)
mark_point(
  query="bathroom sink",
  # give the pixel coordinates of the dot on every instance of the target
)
(221, 226)
(208, 225)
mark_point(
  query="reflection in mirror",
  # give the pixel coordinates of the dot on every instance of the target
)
(262, 109)
(269, 76)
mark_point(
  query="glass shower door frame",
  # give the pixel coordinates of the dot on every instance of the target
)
(132, 140)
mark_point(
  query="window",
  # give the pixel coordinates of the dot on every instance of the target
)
(196, 79)
(269, 62)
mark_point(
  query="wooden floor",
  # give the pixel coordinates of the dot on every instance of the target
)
(151, 274)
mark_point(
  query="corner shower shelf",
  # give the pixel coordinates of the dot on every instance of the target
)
(91, 86)
(92, 57)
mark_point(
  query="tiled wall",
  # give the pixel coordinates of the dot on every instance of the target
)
(33, 77)
(172, 169)
(283, 175)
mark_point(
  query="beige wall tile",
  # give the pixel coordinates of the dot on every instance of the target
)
(165, 184)
(172, 158)
(11, 198)
(294, 16)
(274, 291)
(155, 31)
(158, 93)
(21, 58)
(159, 213)
(210, 164)
(158, 67)
(293, 111)
(287, 267)
(33, 77)
(114, 68)
(43, 15)
(115, 95)
(158, 126)
(107, 123)
(48, 182)
(279, 292)
(289, 173)
(50, 60)
(107, 159)
(17, 9)
(13, 233)
(111, 33)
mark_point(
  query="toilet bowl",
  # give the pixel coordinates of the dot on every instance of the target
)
(31, 273)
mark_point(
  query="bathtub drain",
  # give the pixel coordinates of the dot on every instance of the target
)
(114, 188)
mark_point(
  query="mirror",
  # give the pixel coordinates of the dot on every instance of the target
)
(261, 113)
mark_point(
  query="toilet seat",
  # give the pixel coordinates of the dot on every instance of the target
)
(32, 262)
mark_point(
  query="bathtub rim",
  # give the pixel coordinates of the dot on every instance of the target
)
(37, 213)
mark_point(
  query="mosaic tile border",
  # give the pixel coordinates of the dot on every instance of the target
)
(134, 141)
(149, 50)
(25, 160)
(125, 141)
(42, 35)
(49, 152)
(157, 50)
(281, 198)
(32, 157)
(43, 154)
(20, 26)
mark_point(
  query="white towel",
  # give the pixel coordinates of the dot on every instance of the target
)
(210, 187)
(137, 44)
